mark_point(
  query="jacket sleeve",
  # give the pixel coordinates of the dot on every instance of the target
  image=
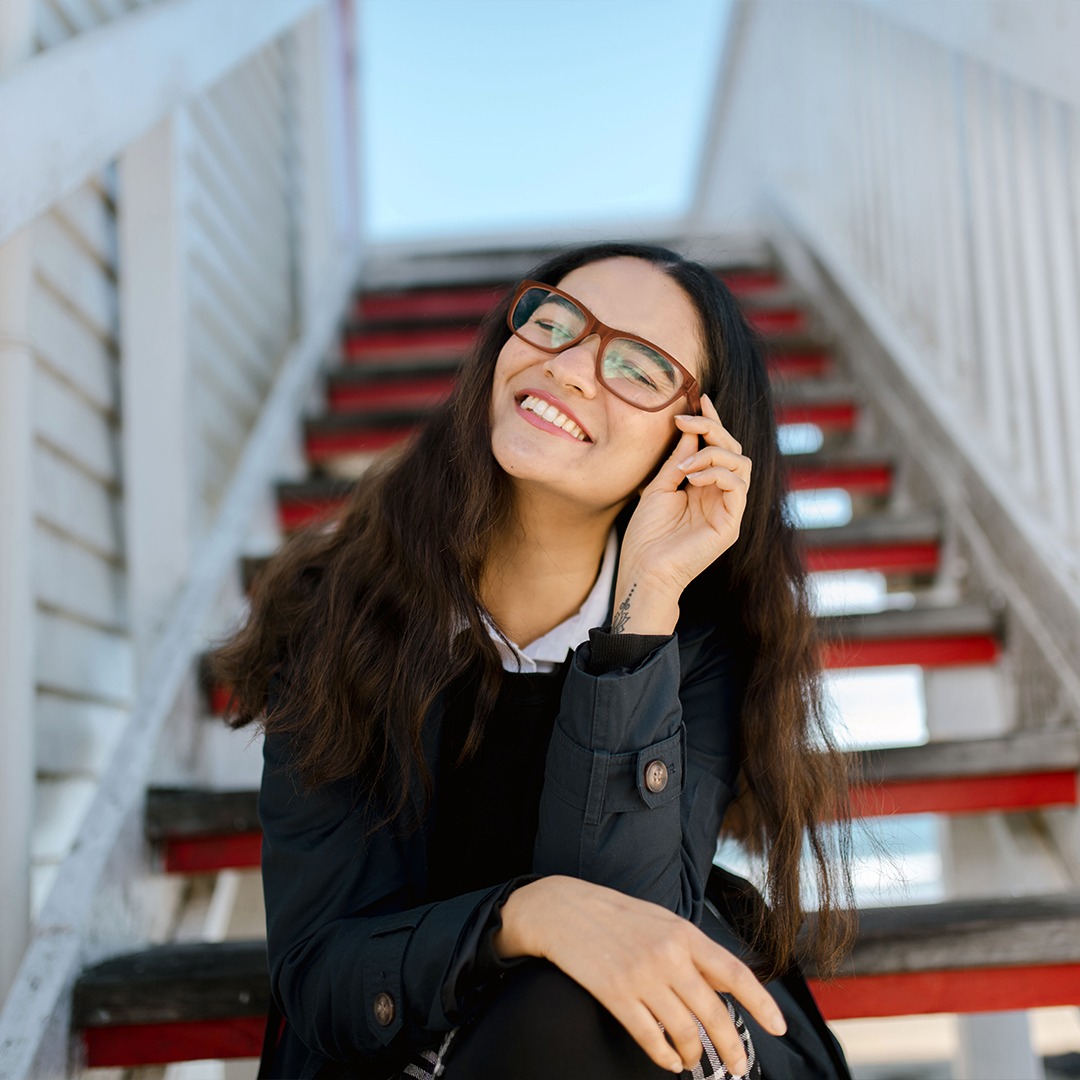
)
(608, 813)
(344, 928)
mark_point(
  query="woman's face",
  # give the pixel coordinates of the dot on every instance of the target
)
(623, 445)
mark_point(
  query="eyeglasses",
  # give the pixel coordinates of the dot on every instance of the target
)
(633, 369)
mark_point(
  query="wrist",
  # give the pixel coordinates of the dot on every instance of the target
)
(509, 940)
(644, 606)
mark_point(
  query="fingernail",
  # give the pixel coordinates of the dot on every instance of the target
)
(676, 1068)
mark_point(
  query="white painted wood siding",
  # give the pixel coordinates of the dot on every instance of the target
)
(83, 667)
(241, 162)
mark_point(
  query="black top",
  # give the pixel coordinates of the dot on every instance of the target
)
(488, 807)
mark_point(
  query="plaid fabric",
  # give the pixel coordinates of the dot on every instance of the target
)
(711, 1067)
(430, 1064)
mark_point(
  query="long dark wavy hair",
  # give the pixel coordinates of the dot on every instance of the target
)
(354, 621)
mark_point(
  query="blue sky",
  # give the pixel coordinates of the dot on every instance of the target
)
(484, 114)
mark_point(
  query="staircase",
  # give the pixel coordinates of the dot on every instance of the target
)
(396, 360)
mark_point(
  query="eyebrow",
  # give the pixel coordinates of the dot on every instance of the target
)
(562, 301)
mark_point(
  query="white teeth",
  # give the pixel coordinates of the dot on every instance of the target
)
(553, 416)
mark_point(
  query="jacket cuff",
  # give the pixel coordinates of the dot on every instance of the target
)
(488, 964)
(609, 652)
(473, 962)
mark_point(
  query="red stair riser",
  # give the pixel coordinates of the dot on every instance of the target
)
(992, 989)
(995, 989)
(474, 303)
(407, 343)
(420, 393)
(430, 304)
(777, 321)
(323, 446)
(204, 854)
(966, 794)
(940, 795)
(799, 365)
(159, 1044)
(943, 651)
(831, 416)
(891, 558)
(741, 282)
(861, 479)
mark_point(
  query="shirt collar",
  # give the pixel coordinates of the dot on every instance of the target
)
(548, 651)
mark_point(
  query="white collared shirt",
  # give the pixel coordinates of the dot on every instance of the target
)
(548, 651)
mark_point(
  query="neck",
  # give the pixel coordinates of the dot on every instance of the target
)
(542, 567)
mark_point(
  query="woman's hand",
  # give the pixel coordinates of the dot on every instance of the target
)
(675, 534)
(643, 963)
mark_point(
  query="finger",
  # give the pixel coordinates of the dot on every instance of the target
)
(680, 1025)
(712, 429)
(715, 455)
(723, 971)
(669, 476)
(712, 1011)
(643, 1028)
(721, 477)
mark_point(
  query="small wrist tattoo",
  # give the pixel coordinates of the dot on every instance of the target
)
(622, 616)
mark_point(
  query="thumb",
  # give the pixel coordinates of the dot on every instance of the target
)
(669, 476)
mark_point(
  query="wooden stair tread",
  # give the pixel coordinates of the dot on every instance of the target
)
(173, 813)
(178, 982)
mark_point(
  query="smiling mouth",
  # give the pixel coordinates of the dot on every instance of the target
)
(546, 411)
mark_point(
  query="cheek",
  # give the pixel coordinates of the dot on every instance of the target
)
(656, 442)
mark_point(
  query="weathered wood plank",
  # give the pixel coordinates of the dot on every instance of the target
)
(957, 777)
(992, 932)
(170, 983)
(165, 983)
(1024, 751)
(174, 812)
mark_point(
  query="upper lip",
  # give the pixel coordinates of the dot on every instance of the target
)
(552, 400)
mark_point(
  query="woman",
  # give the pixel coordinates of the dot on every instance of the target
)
(511, 696)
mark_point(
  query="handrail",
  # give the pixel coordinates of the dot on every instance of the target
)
(921, 164)
(95, 94)
(55, 952)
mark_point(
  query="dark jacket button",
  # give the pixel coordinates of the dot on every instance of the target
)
(383, 1009)
(656, 776)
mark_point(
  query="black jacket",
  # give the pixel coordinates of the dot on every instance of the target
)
(347, 919)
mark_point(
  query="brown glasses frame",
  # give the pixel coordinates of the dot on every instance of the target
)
(607, 333)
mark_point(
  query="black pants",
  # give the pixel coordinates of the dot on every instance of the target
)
(544, 1026)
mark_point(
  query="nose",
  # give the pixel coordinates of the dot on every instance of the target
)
(576, 366)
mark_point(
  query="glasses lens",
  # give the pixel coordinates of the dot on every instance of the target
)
(547, 319)
(638, 374)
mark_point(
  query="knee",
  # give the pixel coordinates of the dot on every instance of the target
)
(544, 1025)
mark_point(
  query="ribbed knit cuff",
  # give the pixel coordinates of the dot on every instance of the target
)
(610, 652)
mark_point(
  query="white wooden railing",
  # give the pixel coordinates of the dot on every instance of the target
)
(178, 241)
(929, 156)
(917, 166)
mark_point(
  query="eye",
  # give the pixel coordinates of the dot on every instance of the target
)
(558, 332)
